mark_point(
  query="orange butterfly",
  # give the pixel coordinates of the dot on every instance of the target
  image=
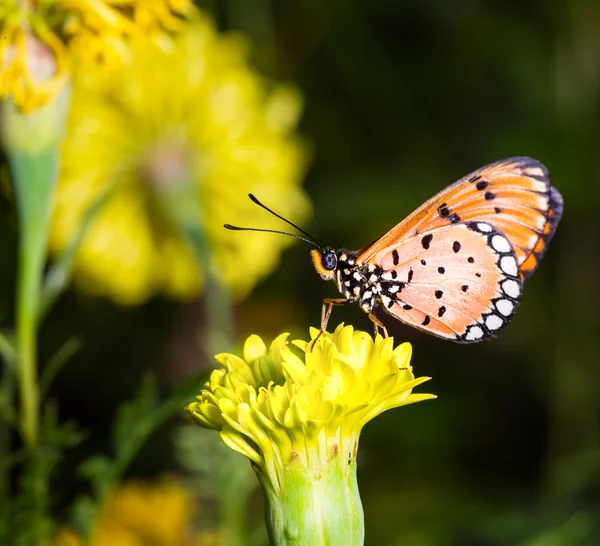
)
(455, 267)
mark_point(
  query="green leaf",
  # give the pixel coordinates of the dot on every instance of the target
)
(29, 518)
(134, 417)
(60, 358)
(59, 275)
(135, 422)
(97, 469)
(8, 351)
(83, 513)
(7, 383)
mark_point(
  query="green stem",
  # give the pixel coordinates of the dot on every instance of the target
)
(31, 142)
(217, 304)
(34, 174)
(178, 199)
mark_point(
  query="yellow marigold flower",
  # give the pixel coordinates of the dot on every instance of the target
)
(298, 419)
(38, 38)
(143, 514)
(197, 113)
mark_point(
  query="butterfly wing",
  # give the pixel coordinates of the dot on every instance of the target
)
(458, 282)
(513, 195)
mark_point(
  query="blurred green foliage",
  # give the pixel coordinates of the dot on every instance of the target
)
(401, 99)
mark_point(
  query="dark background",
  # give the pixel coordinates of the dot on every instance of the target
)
(401, 99)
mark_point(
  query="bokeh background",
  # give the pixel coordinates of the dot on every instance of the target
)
(401, 99)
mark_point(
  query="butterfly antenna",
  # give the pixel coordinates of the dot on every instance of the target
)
(237, 228)
(255, 200)
(310, 239)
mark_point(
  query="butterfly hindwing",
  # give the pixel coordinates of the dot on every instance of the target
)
(513, 195)
(458, 282)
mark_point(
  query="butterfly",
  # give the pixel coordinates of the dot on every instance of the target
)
(456, 266)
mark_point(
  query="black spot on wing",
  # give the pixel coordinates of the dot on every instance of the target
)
(426, 241)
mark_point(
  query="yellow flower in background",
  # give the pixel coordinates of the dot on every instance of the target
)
(199, 113)
(144, 514)
(38, 38)
(274, 406)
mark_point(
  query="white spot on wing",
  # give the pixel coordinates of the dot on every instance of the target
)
(493, 322)
(508, 264)
(367, 294)
(385, 300)
(534, 171)
(500, 243)
(511, 288)
(533, 239)
(475, 332)
(357, 276)
(505, 307)
(387, 277)
(484, 228)
(393, 289)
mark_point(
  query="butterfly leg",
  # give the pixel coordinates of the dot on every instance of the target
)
(378, 324)
(328, 304)
(326, 310)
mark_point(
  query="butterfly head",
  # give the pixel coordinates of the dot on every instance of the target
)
(325, 261)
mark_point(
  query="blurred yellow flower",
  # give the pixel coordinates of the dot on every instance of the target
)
(276, 407)
(196, 114)
(37, 36)
(144, 514)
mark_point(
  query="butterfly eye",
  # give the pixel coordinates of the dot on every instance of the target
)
(329, 260)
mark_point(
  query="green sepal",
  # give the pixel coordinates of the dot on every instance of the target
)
(315, 510)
